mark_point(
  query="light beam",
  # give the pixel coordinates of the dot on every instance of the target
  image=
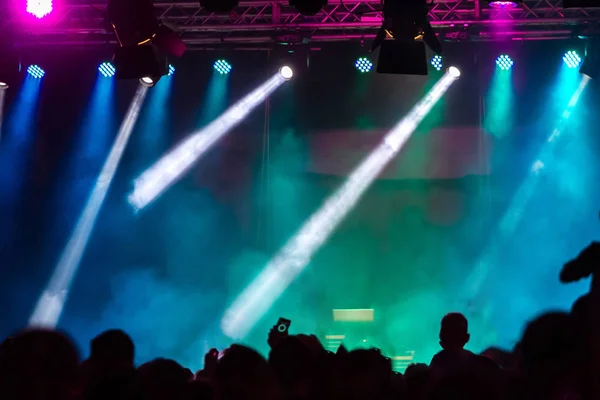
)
(52, 301)
(288, 263)
(510, 220)
(171, 167)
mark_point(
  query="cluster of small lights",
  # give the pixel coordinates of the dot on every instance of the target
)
(36, 71)
(572, 59)
(39, 8)
(171, 70)
(436, 62)
(363, 64)
(503, 4)
(504, 62)
(107, 70)
(222, 67)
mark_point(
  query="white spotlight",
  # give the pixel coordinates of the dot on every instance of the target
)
(3, 85)
(454, 72)
(166, 171)
(286, 73)
(52, 301)
(147, 81)
(252, 304)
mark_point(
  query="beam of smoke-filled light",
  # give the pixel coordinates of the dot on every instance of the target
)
(171, 167)
(513, 215)
(288, 263)
(52, 301)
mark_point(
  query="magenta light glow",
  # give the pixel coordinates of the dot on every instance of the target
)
(39, 8)
(503, 4)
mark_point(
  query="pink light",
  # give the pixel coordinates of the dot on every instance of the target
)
(503, 4)
(39, 8)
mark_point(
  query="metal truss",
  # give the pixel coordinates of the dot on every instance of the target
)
(272, 21)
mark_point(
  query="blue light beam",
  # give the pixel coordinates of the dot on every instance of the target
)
(50, 306)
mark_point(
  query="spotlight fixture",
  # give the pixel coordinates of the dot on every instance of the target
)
(36, 71)
(286, 72)
(504, 4)
(436, 62)
(39, 8)
(454, 72)
(308, 7)
(222, 67)
(171, 70)
(407, 23)
(3, 85)
(219, 6)
(591, 62)
(143, 41)
(148, 81)
(572, 59)
(107, 70)
(504, 62)
(364, 65)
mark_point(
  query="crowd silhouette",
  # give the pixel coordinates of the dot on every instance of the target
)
(558, 357)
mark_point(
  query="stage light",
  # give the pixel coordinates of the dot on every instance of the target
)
(454, 72)
(407, 23)
(3, 85)
(308, 7)
(222, 67)
(52, 301)
(591, 63)
(219, 6)
(504, 62)
(148, 81)
(36, 71)
(286, 72)
(39, 8)
(436, 62)
(107, 70)
(503, 4)
(171, 70)
(173, 165)
(364, 65)
(572, 59)
(252, 304)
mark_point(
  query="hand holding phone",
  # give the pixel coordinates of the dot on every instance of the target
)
(278, 331)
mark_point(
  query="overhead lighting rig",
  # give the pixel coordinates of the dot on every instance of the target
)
(407, 30)
(144, 41)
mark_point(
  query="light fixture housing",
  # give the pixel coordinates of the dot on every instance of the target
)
(219, 6)
(149, 81)
(286, 72)
(308, 7)
(504, 4)
(363, 65)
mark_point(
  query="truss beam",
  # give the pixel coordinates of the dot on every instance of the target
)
(270, 21)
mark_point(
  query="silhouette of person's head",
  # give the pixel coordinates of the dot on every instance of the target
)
(39, 363)
(112, 346)
(454, 332)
